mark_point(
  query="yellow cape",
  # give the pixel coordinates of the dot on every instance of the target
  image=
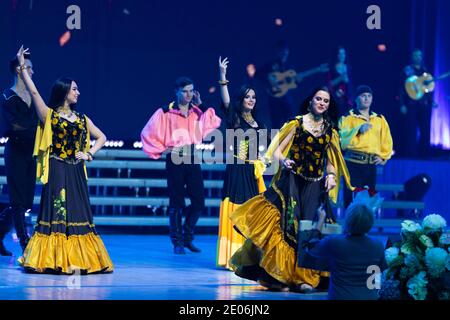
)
(42, 143)
(334, 155)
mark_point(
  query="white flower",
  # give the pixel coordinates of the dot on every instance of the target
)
(436, 259)
(390, 254)
(417, 286)
(410, 226)
(434, 222)
(444, 239)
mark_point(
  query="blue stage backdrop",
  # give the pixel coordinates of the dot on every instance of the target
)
(440, 134)
(127, 54)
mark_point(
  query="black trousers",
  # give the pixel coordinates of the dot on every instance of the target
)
(416, 139)
(361, 175)
(20, 169)
(182, 179)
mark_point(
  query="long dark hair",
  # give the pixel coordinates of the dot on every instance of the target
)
(331, 116)
(60, 89)
(237, 105)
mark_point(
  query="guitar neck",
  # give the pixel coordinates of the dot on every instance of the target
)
(308, 73)
(443, 76)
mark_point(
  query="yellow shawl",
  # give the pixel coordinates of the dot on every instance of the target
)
(42, 143)
(334, 155)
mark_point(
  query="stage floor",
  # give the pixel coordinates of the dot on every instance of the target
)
(145, 269)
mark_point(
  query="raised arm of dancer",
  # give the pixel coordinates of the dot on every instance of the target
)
(224, 94)
(41, 107)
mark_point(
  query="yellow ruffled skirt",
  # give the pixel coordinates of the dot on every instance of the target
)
(229, 239)
(259, 221)
(242, 182)
(58, 253)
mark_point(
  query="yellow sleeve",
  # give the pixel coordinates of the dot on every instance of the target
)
(276, 141)
(386, 143)
(347, 131)
(334, 155)
(42, 144)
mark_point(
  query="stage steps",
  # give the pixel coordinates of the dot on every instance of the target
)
(115, 191)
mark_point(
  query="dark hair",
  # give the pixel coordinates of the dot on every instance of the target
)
(359, 219)
(240, 96)
(334, 59)
(331, 116)
(60, 90)
(237, 106)
(14, 62)
(182, 82)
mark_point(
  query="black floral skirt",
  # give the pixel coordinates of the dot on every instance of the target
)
(65, 239)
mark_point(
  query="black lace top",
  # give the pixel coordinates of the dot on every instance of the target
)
(68, 137)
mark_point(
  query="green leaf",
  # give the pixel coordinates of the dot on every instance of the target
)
(408, 248)
(426, 241)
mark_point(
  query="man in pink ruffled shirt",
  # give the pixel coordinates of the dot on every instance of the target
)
(177, 128)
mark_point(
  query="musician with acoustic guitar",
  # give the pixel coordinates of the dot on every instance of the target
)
(416, 103)
(280, 78)
(339, 80)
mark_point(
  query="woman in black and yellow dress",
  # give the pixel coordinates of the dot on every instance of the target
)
(311, 166)
(64, 240)
(243, 177)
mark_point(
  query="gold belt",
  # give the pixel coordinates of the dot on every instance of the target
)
(360, 157)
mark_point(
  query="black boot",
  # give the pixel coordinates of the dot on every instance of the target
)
(189, 225)
(5, 227)
(176, 230)
(21, 229)
(3, 250)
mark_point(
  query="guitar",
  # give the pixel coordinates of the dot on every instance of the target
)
(417, 86)
(282, 82)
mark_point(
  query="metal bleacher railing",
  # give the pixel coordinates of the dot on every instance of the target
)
(127, 188)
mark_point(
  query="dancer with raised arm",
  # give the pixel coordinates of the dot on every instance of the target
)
(64, 240)
(243, 177)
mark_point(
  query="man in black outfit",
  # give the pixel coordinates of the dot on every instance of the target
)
(416, 113)
(280, 108)
(19, 122)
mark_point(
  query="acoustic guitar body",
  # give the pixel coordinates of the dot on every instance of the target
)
(282, 82)
(417, 87)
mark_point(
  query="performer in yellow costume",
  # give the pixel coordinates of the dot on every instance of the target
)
(308, 149)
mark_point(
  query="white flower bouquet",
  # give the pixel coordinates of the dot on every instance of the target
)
(419, 265)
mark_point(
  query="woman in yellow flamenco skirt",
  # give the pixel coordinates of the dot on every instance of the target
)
(311, 167)
(243, 177)
(65, 240)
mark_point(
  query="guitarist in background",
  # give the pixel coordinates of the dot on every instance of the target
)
(416, 114)
(280, 77)
(339, 80)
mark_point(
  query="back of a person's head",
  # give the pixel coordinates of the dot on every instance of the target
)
(359, 219)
